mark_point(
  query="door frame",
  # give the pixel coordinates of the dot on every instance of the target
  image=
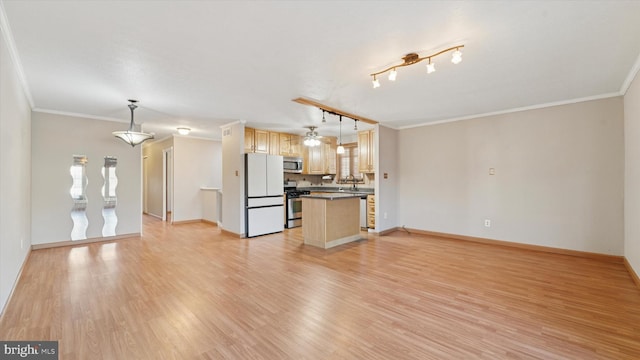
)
(167, 193)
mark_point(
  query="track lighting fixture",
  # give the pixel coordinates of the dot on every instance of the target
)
(413, 58)
(323, 119)
(355, 127)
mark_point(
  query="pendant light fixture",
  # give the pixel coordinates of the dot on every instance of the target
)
(340, 149)
(131, 137)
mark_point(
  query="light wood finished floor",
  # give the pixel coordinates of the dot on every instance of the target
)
(189, 292)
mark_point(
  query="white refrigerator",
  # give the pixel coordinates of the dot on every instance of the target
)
(264, 194)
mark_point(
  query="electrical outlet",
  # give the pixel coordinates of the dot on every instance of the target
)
(487, 222)
(385, 215)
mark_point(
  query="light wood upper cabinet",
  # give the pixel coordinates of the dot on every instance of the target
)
(290, 145)
(330, 157)
(261, 141)
(314, 160)
(320, 160)
(274, 143)
(285, 144)
(249, 136)
(366, 151)
(296, 146)
(256, 141)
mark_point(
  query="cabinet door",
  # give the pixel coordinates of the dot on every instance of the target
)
(316, 159)
(249, 138)
(330, 158)
(285, 145)
(366, 151)
(296, 146)
(256, 173)
(274, 143)
(261, 141)
(275, 175)
(363, 151)
(372, 151)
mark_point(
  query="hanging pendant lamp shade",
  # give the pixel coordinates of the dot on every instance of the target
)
(340, 148)
(131, 137)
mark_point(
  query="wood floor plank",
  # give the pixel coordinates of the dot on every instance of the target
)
(192, 291)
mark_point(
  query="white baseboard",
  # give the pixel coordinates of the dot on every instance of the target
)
(85, 241)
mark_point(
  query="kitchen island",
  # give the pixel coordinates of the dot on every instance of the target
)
(330, 219)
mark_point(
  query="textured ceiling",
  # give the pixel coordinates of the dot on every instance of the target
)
(206, 63)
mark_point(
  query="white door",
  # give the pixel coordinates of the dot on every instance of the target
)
(275, 175)
(256, 175)
(265, 220)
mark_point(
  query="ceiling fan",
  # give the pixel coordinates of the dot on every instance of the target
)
(311, 138)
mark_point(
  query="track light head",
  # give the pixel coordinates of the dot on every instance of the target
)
(456, 57)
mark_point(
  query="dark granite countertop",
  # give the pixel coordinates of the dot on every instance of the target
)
(346, 189)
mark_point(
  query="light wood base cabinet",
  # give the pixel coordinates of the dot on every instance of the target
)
(330, 222)
(371, 211)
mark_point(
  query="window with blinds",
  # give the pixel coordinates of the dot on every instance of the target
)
(348, 162)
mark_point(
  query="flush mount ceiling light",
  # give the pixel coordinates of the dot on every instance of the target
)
(184, 130)
(131, 137)
(413, 58)
(311, 139)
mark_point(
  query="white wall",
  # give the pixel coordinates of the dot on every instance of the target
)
(632, 175)
(153, 159)
(232, 216)
(15, 174)
(558, 177)
(55, 139)
(197, 163)
(386, 189)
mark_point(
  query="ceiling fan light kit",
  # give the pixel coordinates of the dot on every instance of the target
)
(311, 139)
(131, 137)
(413, 58)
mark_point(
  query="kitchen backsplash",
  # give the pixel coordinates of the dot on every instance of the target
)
(316, 180)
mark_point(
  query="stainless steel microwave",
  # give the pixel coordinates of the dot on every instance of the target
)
(292, 165)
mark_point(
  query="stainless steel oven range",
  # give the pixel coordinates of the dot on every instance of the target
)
(294, 207)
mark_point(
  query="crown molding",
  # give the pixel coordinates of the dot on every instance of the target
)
(72, 114)
(632, 75)
(524, 108)
(237, 122)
